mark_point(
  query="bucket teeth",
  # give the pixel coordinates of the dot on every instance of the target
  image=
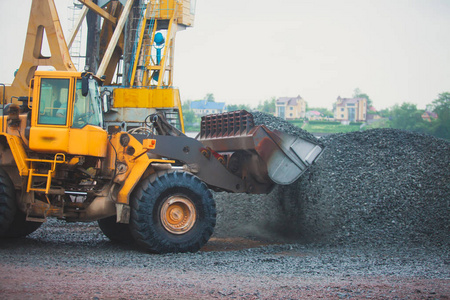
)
(228, 124)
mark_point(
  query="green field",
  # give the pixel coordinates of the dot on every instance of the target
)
(192, 128)
(332, 127)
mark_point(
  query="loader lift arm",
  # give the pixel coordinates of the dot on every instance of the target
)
(234, 155)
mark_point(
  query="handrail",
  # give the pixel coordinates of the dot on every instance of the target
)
(54, 160)
(29, 92)
(48, 175)
(3, 107)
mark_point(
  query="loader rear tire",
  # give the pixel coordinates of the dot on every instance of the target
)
(8, 206)
(20, 227)
(173, 212)
(13, 222)
(116, 232)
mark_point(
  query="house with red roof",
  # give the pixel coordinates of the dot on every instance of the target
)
(314, 115)
(429, 115)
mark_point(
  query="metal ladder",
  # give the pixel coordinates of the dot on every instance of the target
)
(75, 50)
(140, 21)
(145, 66)
(32, 172)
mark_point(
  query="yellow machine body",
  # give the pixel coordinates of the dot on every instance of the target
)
(46, 143)
(165, 10)
(143, 98)
(135, 104)
(51, 137)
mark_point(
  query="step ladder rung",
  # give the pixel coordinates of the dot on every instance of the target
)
(58, 159)
(39, 175)
(37, 189)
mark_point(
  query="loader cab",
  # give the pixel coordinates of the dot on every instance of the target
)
(66, 114)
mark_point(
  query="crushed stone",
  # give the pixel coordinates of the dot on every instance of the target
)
(374, 187)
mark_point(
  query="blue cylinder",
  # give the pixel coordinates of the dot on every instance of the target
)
(159, 39)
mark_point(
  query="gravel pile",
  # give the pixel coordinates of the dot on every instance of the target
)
(374, 187)
(275, 123)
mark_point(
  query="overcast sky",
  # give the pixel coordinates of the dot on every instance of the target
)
(249, 51)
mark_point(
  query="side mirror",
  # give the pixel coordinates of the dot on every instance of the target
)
(106, 100)
(84, 85)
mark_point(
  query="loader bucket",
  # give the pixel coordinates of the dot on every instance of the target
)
(266, 156)
(289, 156)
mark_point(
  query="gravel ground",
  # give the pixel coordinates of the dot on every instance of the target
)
(75, 261)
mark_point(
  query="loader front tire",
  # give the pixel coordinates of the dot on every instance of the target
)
(173, 212)
(116, 232)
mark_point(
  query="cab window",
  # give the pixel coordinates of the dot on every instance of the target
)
(53, 100)
(87, 108)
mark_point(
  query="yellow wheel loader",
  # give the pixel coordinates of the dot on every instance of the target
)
(152, 187)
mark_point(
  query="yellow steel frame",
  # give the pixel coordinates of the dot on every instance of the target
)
(98, 10)
(158, 96)
(43, 16)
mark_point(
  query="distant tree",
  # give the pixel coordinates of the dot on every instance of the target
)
(357, 93)
(268, 106)
(442, 109)
(408, 117)
(189, 117)
(385, 113)
(233, 107)
(186, 105)
(210, 97)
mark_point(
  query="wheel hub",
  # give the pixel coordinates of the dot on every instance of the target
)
(178, 214)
